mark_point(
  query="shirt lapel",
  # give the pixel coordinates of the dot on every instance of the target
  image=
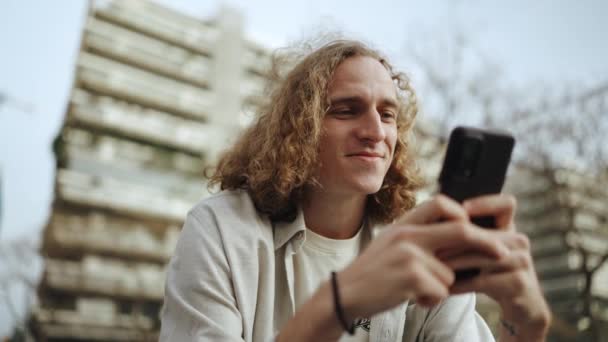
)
(284, 234)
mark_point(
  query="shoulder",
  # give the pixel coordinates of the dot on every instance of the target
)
(233, 214)
(226, 201)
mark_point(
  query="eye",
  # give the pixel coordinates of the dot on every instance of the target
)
(388, 115)
(342, 111)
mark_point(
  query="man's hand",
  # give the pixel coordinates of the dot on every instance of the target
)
(401, 264)
(510, 280)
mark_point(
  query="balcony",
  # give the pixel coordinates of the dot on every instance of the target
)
(565, 287)
(168, 181)
(94, 313)
(148, 53)
(528, 183)
(592, 241)
(161, 23)
(564, 264)
(142, 87)
(531, 206)
(256, 59)
(544, 223)
(83, 332)
(99, 276)
(567, 307)
(600, 284)
(251, 86)
(78, 144)
(131, 121)
(92, 320)
(71, 234)
(549, 244)
(122, 197)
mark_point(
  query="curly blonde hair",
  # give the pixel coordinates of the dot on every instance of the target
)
(275, 159)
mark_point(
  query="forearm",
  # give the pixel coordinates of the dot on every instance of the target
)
(316, 320)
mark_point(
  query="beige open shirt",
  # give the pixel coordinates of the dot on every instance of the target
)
(231, 278)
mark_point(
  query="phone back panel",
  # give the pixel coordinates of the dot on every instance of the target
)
(486, 174)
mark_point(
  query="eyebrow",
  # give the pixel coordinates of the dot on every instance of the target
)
(354, 99)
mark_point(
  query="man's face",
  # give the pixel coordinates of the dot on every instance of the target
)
(360, 128)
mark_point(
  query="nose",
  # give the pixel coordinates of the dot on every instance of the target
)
(371, 128)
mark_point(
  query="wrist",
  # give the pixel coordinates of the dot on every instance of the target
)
(347, 324)
(526, 327)
(327, 319)
(349, 297)
(315, 320)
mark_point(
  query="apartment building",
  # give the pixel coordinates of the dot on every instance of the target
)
(565, 214)
(157, 94)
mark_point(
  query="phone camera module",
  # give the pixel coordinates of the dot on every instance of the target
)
(468, 159)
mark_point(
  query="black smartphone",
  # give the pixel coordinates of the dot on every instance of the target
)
(475, 164)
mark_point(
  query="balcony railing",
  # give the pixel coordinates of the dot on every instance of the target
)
(549, 244)
(560, 265)
(63, 332)
(124, 197)
(256, 60)
(161, 23)
(98, 233)
(94, 318)
(600, 284)
(85, 145)
(152, 54)
(158, 127)
(167, 181)
(106, 277)
(142, 87)
(568, 286)
(532, 206)
(251, 86)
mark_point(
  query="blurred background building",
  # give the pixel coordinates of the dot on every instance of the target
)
(566, 217)
(157, 94)
(564, 211)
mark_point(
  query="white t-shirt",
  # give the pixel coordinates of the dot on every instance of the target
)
(313, 265)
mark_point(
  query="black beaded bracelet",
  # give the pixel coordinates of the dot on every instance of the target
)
(334, 285)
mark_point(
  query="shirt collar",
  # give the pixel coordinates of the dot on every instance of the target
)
(285, 231)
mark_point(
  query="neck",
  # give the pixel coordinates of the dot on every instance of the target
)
(336, 216)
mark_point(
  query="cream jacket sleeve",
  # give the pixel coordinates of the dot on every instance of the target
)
(199, 302)
(454, 320)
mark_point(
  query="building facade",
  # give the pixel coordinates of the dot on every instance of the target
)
(565, 214)
(157, 94)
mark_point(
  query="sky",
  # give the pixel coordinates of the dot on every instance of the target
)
(548, 41)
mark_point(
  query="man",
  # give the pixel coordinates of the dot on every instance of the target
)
(292, 249)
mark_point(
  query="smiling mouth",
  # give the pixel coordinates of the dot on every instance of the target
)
(370, 158)
(366, 155)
